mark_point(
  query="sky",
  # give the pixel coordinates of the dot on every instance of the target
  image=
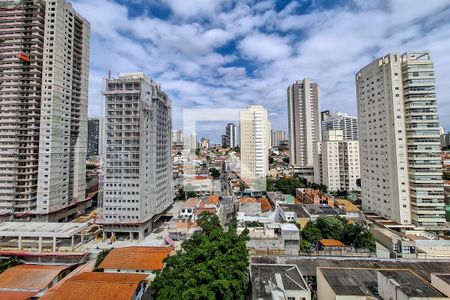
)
(231, 53)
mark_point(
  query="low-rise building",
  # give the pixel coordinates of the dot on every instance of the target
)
(294, 213)
(351, 210)
(441, 282)
(257, 210)
(270, 281)
(409, 244)
(331, 245)
(312, 196)
(188, 208)
(274, 238)
(315, 211)
(136, 259)
(363, 284)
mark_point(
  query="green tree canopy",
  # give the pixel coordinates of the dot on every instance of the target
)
(330, 227)
(210, 265)
(311, 233)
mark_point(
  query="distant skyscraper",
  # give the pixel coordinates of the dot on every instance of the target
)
(44, 48)
(93, 137)
(138, 171)
(336, 162)
(339, 121)
(193, 141)
(231, 133)
(304, 125)
(401, 166)
(225, 141)
(204, 143)
(276, 137)
(255, 142)
(177, 137)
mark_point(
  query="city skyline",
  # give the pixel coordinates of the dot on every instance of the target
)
(227, 69)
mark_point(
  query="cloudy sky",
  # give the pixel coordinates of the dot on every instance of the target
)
(231, 53)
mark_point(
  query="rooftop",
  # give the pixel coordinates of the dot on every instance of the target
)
(30, 277)
(97, 286)
(136, 258)
(191, 203)
(308, 265)
(347, 205)
(315, 209)
(364, 282)
(36, 229)
(288, 277)
(295, 208)
(265, 204)
(213, 199)
(331, 243)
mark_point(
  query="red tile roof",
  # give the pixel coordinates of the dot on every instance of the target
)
(191, 203)
(136, 258)
(265, 204)
(331, 243)
(213, 199)
(97, 286)
(16, 295)
(30, 277)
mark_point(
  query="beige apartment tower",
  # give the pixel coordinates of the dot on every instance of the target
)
(255, 143)
(44, 66)
(303, 100)
(399, 140)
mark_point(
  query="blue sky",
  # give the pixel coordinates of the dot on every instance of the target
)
(230, 53)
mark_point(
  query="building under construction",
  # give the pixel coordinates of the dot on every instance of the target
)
(44, 57)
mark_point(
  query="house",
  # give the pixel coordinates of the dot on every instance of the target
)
(350, 209)
(363, 284)
(100, 286)
(294, 213)
(278, 281)
(314, 211)
(188, 208)
(136, 259)
(30, 281)
(257, 210)
(330, 244)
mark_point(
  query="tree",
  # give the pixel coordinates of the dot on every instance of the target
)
(214, 172)
(342, 193)
(208, 222)
(305, 246)
(311, 233)
(210, 265)
(286, 159)
(270, 160)
(330, 227)
(9, 263)
(100, 257)
(358, 236)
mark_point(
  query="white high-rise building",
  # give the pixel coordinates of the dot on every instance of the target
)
(231, 135)
(336, 162)
(304, 125)
(138, 169)
(43, 115)
(255, 142)
(276, 137)
(399, 139)
(339, 121)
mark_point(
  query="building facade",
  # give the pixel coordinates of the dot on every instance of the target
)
(231, 135)
(336, 162)
(177, 137)
(43, 99)
(304, 125)
(255, 142)
(138, 169)
(276, 136)
(399, 140)
(93, 137)
(339, 121)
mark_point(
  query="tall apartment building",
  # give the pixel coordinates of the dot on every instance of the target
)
(138, 168)
(336, 162)
(93, 140)
(304, 124)
(44, 48)
(399, 139)
(339, 121)
(231, 133)
(276, 136)
(177, 136)
(255, 142)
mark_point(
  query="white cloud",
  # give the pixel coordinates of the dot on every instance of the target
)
(264, 47)
(327, 45)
